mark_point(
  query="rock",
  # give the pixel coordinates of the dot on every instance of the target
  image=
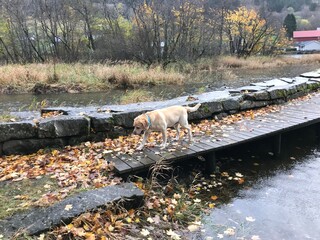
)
(277, 92)
(27, 146)
(17, 130)
(101, 122)
(125, 119)
(257, 96)
(63, 126)
(311, 75)
(247, 89)
(231, 104)
(38, 220)
(287, 80)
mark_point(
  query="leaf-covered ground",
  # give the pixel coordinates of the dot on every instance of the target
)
(172, 209)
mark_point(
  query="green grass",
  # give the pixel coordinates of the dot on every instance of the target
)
(134, 96)
(17, 196)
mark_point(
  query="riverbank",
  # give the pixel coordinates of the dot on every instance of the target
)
(80, 78)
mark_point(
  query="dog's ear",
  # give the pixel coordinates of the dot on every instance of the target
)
(144, 122)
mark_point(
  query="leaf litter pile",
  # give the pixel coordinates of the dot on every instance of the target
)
(171, 210)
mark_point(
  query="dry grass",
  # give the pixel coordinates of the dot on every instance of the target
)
(89, 77)
(266, 62)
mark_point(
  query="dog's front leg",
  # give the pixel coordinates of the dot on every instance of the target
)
(164, 137)
(145, 137)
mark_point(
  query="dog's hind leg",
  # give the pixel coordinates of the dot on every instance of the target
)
(189, 132)
(184, 124)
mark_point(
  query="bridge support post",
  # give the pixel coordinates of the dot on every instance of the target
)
(211, 162)
(277, 145)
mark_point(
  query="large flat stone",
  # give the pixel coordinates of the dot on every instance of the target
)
(101, 122)
(39, 220)
(271, 83)
(25, 146)
(257, 96)
(63, 126)
(17, 130)
(315, 74)
(277, 92)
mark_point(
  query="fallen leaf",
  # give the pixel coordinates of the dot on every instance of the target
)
(197, 200)
(173, 235)
(41, 237)
(214, 197)
(145, 232)
(255, 237)
(193, 227)
(229, 232)
(68, 207)
(250, 219)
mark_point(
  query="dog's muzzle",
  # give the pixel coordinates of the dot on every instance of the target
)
(135, 132)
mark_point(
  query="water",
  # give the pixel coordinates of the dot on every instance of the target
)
(280, 199)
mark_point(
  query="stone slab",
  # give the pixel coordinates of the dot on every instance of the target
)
(63, 126)
(17, 130)
(315, 74)
(26, 146)
(39, 220)
(270, 83)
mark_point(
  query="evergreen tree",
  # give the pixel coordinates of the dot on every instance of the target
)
(290, 24)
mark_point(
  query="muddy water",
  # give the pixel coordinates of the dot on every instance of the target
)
(280, 199)
(200, 83)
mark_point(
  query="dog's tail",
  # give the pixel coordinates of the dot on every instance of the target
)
(193, 109)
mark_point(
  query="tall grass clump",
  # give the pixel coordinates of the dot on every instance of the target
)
(136, 95)
(91, 77)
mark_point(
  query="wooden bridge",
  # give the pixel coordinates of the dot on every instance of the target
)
(291, 116)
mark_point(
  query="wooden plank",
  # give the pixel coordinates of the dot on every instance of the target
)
(302, 111)
(143, 158)
(300, 116)
(248, 134)
(265, 132)
(132, 162)
(243, 135)
(162, 153)
(283, 123)
(220, 142)
(210, 143)
(152, 155)
(195, 148)
(204, 146)
(237, 139)
(182, 151)
(120, 166)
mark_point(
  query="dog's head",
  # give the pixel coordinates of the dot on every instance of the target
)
(140, 124)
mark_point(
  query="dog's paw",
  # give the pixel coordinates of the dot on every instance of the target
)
(163, 146)
(139, 148)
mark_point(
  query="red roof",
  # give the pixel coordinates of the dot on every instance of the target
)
(306, 35)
